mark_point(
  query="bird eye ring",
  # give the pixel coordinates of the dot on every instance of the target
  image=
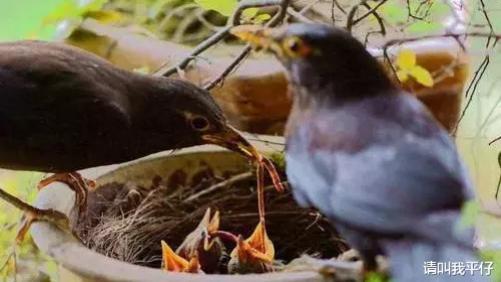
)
(199, 123)
(295, 47)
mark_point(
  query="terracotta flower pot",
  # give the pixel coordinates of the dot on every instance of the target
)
(78, 263)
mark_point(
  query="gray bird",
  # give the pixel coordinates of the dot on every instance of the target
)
(368, 155)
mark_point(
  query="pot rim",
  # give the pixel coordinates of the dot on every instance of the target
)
(72, 255)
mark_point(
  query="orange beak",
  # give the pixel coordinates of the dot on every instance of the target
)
(258, 248)
(231, 139)
(174, 263)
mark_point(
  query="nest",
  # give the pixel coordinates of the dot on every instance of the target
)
(127, 222)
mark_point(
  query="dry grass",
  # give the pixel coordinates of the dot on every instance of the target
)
(128, 222)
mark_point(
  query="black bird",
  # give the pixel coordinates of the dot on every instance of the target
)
(64, 109)
(368, 155)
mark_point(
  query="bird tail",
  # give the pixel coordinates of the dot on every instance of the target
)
(439, 249)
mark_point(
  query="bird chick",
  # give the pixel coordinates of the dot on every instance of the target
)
(253, 255)
(172, 262)
(368, 155)
(204, 243)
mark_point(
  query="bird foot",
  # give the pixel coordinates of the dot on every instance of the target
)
(76, 183)
(34, 214)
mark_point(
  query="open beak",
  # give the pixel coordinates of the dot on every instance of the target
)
(257, 248)
(259, 37)
(231, 139)
(174, 263)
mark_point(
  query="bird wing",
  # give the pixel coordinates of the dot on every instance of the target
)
(375, 170)
(58, 106)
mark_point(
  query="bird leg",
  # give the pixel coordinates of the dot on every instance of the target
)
(33, 214)
(76, 182)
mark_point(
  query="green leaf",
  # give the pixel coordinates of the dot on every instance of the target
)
(393, 13)
(67, 9)
(224, 7)
(469, 213)
(375, 277)
(158, 7)
(104, 16)
(248, 14)
(493, 256)
(424, 27)
(261, 18)
(71, 10)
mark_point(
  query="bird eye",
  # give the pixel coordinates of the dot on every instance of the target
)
(199, 123)
(295, 47)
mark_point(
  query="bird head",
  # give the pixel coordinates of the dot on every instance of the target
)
(204, 243)
(323, 61)
(254, 254)
(179, 114)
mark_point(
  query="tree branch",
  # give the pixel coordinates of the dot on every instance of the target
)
(234, 20)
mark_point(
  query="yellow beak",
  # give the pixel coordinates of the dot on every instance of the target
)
(258, 37)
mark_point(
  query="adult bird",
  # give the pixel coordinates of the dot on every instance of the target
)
(367, 154)
(64, 109)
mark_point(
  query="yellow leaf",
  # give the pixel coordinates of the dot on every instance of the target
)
(422, 76)
(402, 75)
(261, 18)
(104, 17)
(406, 59)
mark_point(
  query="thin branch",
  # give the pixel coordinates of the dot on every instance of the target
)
(230, 68)
(17, 202)
(351, 22)
(278, 18)
(165, 70)
(479, 73)
(230, 181)
(499, 181)
(298, 16)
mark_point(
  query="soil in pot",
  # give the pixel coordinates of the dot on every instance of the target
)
(127, 221)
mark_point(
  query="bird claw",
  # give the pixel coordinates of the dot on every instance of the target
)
(76, 182)
(52, 216)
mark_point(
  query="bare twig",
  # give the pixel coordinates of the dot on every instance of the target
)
(230, 68)
(228, 182)
(278, 18)
(298, 16)
(17, 202)
(165, 70)
(499, 181)
(482, 68)
(351, 22)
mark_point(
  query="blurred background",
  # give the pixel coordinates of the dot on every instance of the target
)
(187, 22)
